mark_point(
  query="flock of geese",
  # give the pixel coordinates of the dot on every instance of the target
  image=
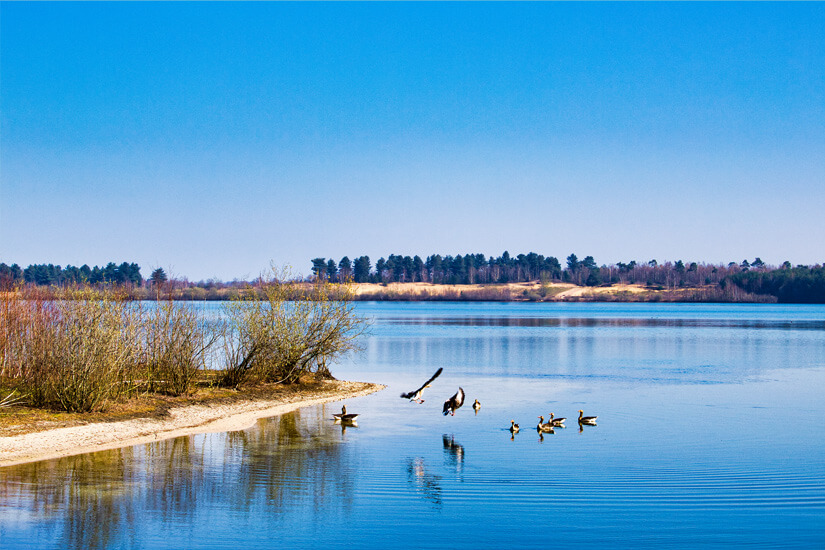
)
(457, 400)
(553, 422)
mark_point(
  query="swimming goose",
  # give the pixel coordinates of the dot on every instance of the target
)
(544, 427)
(513, 427)
(344, 417)
(556, 421)
(586, 419)
(453, 403)
(415, 395)
(476, 405)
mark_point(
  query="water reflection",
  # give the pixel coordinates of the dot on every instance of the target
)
(344, 424)
(426, 484)
(97, 500)
(454, 452)
(649, 356)
(591, 322)
(583, 424)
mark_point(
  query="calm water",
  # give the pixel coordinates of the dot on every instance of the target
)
(710, 433)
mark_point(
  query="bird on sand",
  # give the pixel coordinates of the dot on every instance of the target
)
(454, 403)
(344, 417)
(415, 395)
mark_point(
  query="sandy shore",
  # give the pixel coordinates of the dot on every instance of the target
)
(556, 291)
(187, 420)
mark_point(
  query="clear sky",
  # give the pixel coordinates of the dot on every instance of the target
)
(212, 139)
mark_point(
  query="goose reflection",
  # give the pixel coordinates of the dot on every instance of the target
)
(346, 424)
(454, 451)
(427, 484)
(583, 424)
(551, 431)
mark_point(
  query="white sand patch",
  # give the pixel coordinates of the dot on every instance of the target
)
(187, 420)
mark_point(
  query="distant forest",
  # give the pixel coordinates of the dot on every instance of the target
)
(48, 274)
(786, 283)
(801, 284)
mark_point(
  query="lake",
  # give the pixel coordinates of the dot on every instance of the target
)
(710, 433)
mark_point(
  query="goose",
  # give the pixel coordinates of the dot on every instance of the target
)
(476, 405)
(344, 417)
(542, 427)
(586, 419)
(556, 421)
(454, 403)
(513, 427)
(415, 395)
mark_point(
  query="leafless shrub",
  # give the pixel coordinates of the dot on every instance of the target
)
(80, 349)
(177, 342)
(283, 331)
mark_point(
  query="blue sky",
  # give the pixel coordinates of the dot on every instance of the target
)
(212, 139)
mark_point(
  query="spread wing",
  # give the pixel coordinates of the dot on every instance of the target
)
(424, 385)
(453, 403)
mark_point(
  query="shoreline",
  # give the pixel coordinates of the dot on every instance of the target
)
(530, 291)
(184, 420)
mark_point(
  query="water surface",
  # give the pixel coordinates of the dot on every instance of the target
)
(709, 434)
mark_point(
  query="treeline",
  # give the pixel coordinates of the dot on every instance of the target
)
(801, 284)
(789, 285)
(460, 269)
(479, 269)
(49, 274)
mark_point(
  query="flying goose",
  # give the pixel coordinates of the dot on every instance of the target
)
(453, 403)
(415, 395)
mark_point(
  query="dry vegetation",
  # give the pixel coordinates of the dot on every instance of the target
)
(82, 350)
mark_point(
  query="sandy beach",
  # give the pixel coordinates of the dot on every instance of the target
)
(184, 420)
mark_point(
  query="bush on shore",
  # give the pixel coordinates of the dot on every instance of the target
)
(279, 331)
(78, 349)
